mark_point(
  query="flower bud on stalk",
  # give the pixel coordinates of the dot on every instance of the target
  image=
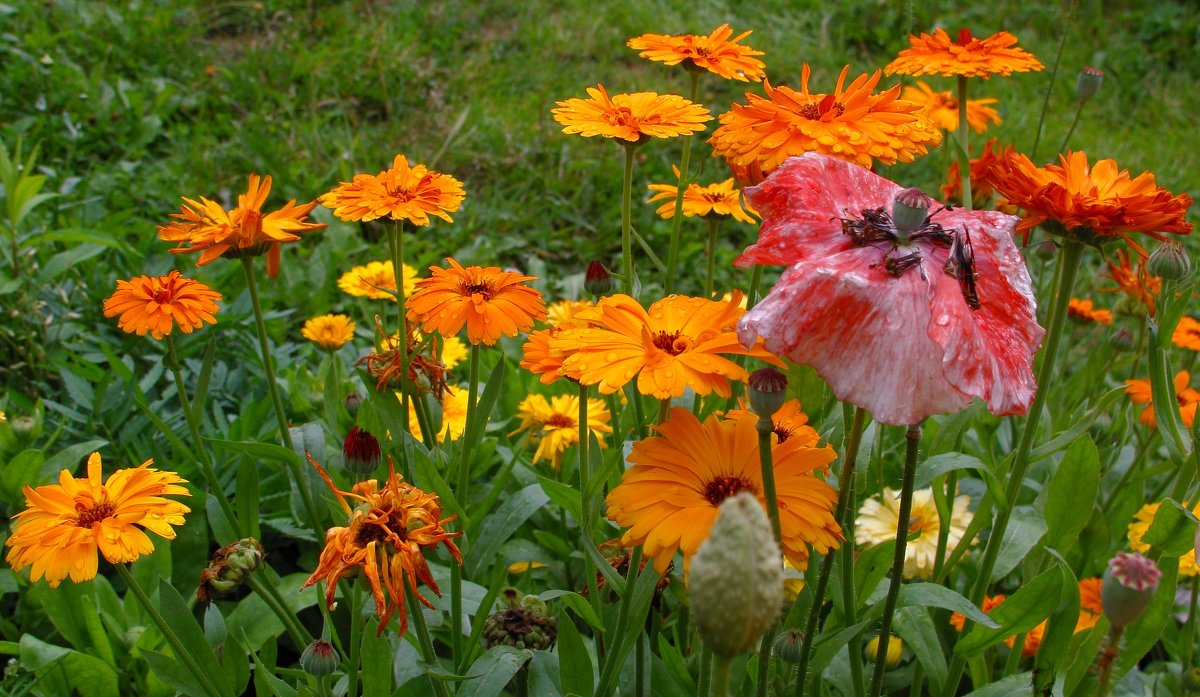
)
(1088, 83)
(597, 280)
(1169, 261)
(768, 388)
(360, 452)
(789, 645)
(319, 658)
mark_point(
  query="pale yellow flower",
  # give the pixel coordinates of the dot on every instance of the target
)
(877, 523)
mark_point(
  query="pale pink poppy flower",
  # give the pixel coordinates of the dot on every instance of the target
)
(906, 327)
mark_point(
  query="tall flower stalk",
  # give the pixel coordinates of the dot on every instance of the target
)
(682, 183)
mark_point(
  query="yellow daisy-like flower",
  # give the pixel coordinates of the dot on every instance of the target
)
(330, 332)
(668, 499)
(403, 192)
(716, 53)
(878, 519)
(491, 303)
(1141, 523)
(942, 107)
(376, 279)
(2, 417)
(454, 416)
(155, 304)
(1187, 334)
(966, 55)
(206, 227)
(714, 200)
(679, 342)
(565, 311)
(555, 423)
(1083, 310)
(851, 123)
(64, 525)
(632, 117)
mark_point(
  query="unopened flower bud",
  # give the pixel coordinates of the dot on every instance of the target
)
(1128, 586)
(360, 452)
(1169, 261)
(319, 658)
(1045, 250)
(352, 402)
(768, 388)
(789, 645)
(23, 426)
(1121, 340)
(1088, 83)
(895, 650)
(597, 280)
(910, 209)
(245, 555)
(736, 580)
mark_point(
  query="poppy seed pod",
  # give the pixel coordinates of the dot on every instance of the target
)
(768, 389)
(736, 580)
(1088, 83)
(1129, 584)
(910, 209)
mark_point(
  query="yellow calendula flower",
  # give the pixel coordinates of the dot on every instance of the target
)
(1141, 523)
(630, 117)
(330, 332)
(555, 424)
(720, 200)
(878, 519)
(377, 280)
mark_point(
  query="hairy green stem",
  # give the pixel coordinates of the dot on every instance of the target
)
(356, 639)
(720, 676)
(270, 595)
(766, 427)
(1062, 43)
(424, 641)
(681, 188)
(626, 223)
(964, 153)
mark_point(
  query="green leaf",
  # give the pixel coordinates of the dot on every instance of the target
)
(499, 526)
(173, 673)
(915, 627)
(376, 656)
(265, 451)
(1024, 531)
(70, 457)
(1071, 495)
(1016, 685)
(639, 604)
(563, 495)
(484, 407)
(253, 618)
(247, 498)
(1173, 532)
(22, 469)
(1019, 613)
(574, 662)
(934, 467)
(577, 603)
(1079, 427)
(1060, 629)
(200, 399)
(265, 677)
(87, 674)
(235, 665)
(67, 260)
(181, 621)
(931, 594)
(491, 672)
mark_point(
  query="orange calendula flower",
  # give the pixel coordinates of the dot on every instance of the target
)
(544, 357)
(491, 303)
(965, 55)
(850, 123)
(679, 342)
(1188, 398)
(155, 304)
(554, 423)
(377, 281)
(981, 172)
(632, 117)
(1090, 605)
(1083, 310)
(1139, 286)
(721, 200)
(330, 332)
(942, 107)
(1187, 334)
(716, 53)
(668, 499)
(388, 531)
(1141, 523)
(1090, 201)
(403, 192)
(64, 525)
(790, 422)
(206, 227)
(1033, 638)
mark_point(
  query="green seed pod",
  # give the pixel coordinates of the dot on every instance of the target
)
(1128, 586)
(1087, 84)
(910, 209)
(768, 391)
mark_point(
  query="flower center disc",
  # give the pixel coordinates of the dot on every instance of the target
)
(722, 488)
(90, 515)
(673, 343)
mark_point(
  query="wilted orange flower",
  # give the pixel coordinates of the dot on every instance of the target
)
(633, 117)
(330, 332)
(490, 302)
(1138, 285)
(966, 56)
(668, 499)
(426, 372)
(1082, 309)
(714, 200)
(376, 279)
(451, 352)
(554, 423)
(1187, 334)
(1100, 200)
(790, 422)
(1141, 523)
(679, 342)
(942, 107)
(849, 123)
(1188, 398)
(981, 173)
(65, 524)
(205, 227)
(386, 536)
(403, 192)
(155, 304)
(716, 53)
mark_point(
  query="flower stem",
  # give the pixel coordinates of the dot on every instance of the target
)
(169, 634)
(270, 595)
(424, 640)
(626, 237)
(755, 281)
(461, 493)
(912, 442)
(720, 676)
(585, 476)
(680, 189)
(202, 456)
(396, 246)
(765, 428)
(1071, 130)
(964, 154)
(1069, 256)
(356, 638)
(1189, 627)
(713, 223)
(1062, 42)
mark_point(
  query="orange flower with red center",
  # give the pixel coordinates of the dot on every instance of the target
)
(1138, 285)
(790, 422)
(965, 55)
(721, 200)
(942, 107)
(402, 192)
(851, 123)
(206, 227)
(1097, 201)
(388, 531)
(631, 117)
(1139, 393)
(1187, 334)
(669, 498)
(679, 342)
(981, 172)
(491, 303)
(1083, 310)
(716, 53)
(155, 304)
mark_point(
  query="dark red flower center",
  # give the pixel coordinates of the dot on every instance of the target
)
(783, 433)
(672, 343)
(814, 112)
(560, 421)
(484, 289)
(90, 515)
(964, 37)
(162, 296)
(722, 488)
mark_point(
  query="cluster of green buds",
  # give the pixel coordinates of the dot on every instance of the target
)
(229, 568)
(525, 624)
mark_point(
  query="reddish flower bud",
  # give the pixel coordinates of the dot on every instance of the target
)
(361, 452)
(597, 280)
(320, 658)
